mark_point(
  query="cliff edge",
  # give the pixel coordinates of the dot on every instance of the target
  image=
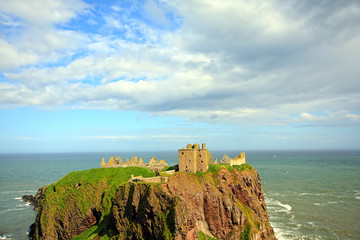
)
(223, 203)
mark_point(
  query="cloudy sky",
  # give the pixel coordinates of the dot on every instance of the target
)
(156, 74)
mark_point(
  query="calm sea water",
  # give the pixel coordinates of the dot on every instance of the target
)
(309, 194)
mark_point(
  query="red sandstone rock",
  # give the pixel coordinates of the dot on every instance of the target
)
(221, 204)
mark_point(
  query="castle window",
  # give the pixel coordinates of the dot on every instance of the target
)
(182, 153)
(199, 155)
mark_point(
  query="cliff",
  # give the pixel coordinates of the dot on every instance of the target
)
(35, 200)
(223, 203)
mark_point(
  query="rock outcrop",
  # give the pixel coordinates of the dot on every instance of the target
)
(35, 200)
(225, 203)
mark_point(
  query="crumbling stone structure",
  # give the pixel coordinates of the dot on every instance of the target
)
(157, 179)
(154, 164)
(225, 159)
(193, 159)
(241, 159)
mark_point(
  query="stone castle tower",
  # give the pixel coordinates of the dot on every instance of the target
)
(193, 159)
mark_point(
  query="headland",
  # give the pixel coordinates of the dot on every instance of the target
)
(200, 200)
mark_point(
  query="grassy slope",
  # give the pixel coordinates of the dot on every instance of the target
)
(114, 176)
(93, 183)
(58, 194)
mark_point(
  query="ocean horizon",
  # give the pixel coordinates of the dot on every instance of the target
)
(310, 194)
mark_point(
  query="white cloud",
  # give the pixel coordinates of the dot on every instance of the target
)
(37, 47)
(8, 21)
(240, 30)
(14, 57)
(242, 62)
(41, 13)
(116, 8)
(113, 22)
(309, 117)
(37, 38)
(155, 12)
(341, 118)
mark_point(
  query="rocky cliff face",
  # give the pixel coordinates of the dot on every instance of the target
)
(35, 200)
(224, 204)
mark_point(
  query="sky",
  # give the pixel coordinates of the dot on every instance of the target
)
(151, 75)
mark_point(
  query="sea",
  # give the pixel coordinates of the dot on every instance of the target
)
(309, 194)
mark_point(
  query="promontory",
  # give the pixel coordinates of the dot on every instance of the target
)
(134, 202)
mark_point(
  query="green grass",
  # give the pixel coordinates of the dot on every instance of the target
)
(169, 168)
(95, 230)
(251, 222)
(114, 176)
(245, 235)
(214, 168)
(105, 179)
(99, 186)
(96, 189)
(202, 236)
(243, 167)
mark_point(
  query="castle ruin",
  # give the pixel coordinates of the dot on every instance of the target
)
(193, 159)
(154, 164)
(238, 160)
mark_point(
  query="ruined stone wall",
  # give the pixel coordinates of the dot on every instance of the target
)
(241, 159)
(157, 167)
(158, 179)
(103, 164)
(153, 164)
(187, 160)
(203, 160)
(225, 159)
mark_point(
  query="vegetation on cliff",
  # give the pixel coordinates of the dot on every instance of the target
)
(225, 202)
(79, 200)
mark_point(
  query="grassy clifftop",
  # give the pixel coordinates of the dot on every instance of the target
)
(79, 200)
(112, 176)
(224, 202)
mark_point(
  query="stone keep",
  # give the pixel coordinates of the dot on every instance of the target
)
(193, 159)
